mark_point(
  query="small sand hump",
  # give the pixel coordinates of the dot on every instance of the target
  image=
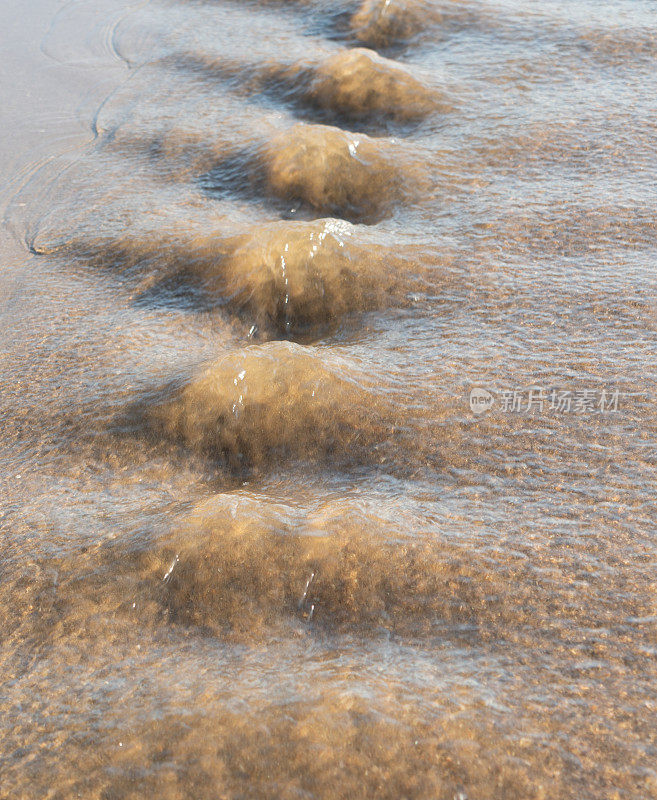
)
(293, 276)
(338, 173)
(274, 402)
(385, 23)
(241, 564)
(359, 83)
(354, 83)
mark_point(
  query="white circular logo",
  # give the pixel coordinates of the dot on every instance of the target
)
(481, 400)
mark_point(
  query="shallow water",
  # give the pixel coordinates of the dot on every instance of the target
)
(256, 541)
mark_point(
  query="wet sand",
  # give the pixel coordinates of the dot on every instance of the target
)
(257, 539)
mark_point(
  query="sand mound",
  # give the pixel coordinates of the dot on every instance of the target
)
(337, 173)
(274, 402)
(382, 23)
(360, 83)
